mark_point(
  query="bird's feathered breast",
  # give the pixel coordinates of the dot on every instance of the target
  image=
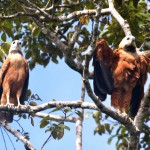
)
(121, 73)
(15, 75)
(126, 68)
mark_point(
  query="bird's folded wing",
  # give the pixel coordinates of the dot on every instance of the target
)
(25, 87)
(103, 82)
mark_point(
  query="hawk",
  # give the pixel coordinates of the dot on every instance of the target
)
(120, 73)
(14, 77)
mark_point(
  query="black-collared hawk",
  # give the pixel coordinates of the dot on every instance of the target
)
(14, 78)
(121, 73)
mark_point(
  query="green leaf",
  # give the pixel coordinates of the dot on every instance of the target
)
(32, 121)
(55, 110)
(2, 55)
(36, 31)
(66, 110)
(45, 118)
(107, 127)
(110, 139)
(65, 127)
(54, 134)
(32, 103)
(44, 124)
(87, 115)
(135, 3)
(9, 31)
(84, 19)
(60, 133)
(96, 114)
(101, 129)
(24, 116)
(3, 37)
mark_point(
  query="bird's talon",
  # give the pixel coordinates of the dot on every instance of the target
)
(124, 114)
(9, 105)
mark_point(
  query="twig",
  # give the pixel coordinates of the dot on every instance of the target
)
(3, 138)
(9, 138)
(18, 135)
(55, 117)
(49, 18)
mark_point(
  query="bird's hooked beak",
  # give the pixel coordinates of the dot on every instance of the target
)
(16, 45)
(128, 43)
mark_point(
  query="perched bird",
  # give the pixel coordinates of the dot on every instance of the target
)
(121, 73)
(14, 78)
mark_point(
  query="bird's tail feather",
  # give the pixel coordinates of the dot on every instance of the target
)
(6, 116)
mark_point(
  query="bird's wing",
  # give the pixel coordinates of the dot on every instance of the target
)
(102, 60)
(25, 87)
(137, 95)
(4, 69)
(4, 116)
(138, 91)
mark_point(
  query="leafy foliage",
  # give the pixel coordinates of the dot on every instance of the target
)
(38, 49)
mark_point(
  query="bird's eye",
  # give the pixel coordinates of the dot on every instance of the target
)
(128, 38)
(20, 43)
(14, 42)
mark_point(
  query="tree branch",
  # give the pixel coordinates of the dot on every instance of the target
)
(79, 121)
(124, 24)
(18, 135)
(51, 104)
(49, 18)
(55, 117)
(143, 111)
(125, 120)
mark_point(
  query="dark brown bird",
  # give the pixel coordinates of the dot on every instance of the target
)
(14, 78)
(121, 73)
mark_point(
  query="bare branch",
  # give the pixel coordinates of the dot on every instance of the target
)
(124, 24)
(48, 18)
(55, 117)
(143, 111)
(134, 141)
(95, 31)
(79, 122)
(17, 15)
(75, 35)
(51, 104)
(18, 135)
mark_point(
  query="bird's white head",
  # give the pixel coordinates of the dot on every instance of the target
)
(16, 45)
(128, 43)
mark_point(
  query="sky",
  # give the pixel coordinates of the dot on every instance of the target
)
(61, 83)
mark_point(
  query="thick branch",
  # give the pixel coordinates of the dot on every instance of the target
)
(134, 141)
(51, 104)
(124, 24)
(143, 111)
(18, 135)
